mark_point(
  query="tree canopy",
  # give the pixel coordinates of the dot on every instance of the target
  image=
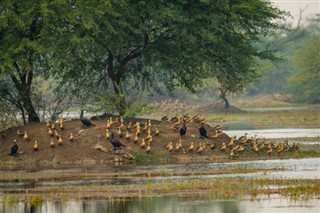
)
(102, 47)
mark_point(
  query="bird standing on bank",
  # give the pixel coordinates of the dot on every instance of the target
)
(14, 148)
(86, 122)
(115, 142)
(183, 129)
(203, 131)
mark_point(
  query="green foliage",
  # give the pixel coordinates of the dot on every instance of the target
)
(305, 81)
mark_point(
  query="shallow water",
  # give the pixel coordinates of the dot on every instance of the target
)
(276, 133)
(191, 204)
(289, 168)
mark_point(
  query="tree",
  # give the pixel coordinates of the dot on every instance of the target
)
(21, 24)
(305, 82)
(175, 42)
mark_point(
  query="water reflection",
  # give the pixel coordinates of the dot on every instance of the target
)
(193, 204)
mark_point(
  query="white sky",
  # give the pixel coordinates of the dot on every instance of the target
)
(293, 6)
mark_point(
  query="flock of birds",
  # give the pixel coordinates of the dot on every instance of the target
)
(117, 130)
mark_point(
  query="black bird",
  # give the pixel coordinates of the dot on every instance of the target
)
(86, 122)
(115, 142)
(203, 132)
(14, 149)
(183, 129)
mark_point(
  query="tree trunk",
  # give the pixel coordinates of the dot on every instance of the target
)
(23, 86)
(120, 103)
(223, 96)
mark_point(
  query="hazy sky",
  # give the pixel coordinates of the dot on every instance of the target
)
(293, 6)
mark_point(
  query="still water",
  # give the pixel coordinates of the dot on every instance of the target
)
(191, 204)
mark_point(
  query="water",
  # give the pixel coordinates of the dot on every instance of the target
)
(276, 133)
(176, 204)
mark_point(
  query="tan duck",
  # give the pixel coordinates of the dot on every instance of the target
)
(223, 147)
(71, 137)
(231, 142)
(177, 147)
(129, 126)
(240, 148)
(145, 127)
(51, 143)
(212, 146)
(219, 126)
(26, 136)
(35, 146)
(60, 140)
(170, 147)
(119, 132)
(108, 134)
(56, 134)
(216, 135)
(127, 136)
(48, 124)
(165, 118)
(148, 149)
(201, 148)
(136, 138)
(149, 124)
(53, 126)
(61, 126)
(243, 139)
(232, 154)
(107, 125)
(156, 132)
(143, 143)
(50, 132)
(191, 147)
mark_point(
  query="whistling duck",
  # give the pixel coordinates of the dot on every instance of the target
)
(119, 132)
(51, 143)
(107, 125)
(201, 148)
(115, 142)
(196, 118)
(138, 131)
(127, 136)
(61, 126)
(232, 154)
(174, 119)
(14, 148)
(223, 147)
(148, 149)
(145, 127)
(219, 126)
(177, 147)
(149, 124)
(56, 134)
(129, 126)
(35, 146)
(269, 149)
(191, 147)
(71, 138)
(50, 132)
(107, 134)
(212, 146)
(60, 140)
(231, 142)
(53, 126)
(156, 132)
(255, 148)
(26, 136)
(150, 139)
(48, 124)
(240, 148)
(170, 147)
(216, 135)
(165, 118)
(203, 131)
(243, 139)
(143, 143)
(180, 143)
(135, 139)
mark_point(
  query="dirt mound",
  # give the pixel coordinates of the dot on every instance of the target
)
(82, 150)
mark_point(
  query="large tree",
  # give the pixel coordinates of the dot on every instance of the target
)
(175, 42)
(21, 23)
